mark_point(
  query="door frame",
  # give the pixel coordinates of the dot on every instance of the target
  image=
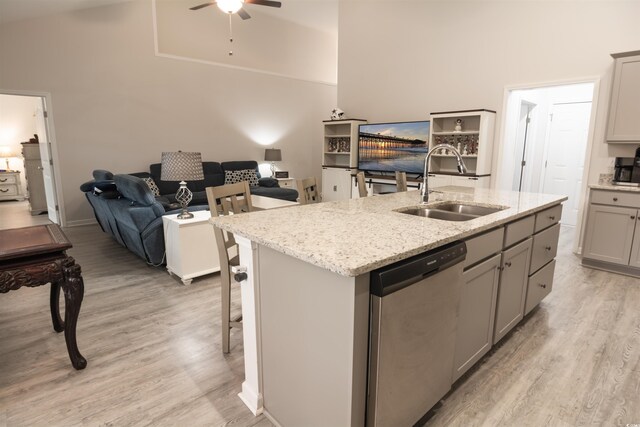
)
(62, 218)
(498, 158)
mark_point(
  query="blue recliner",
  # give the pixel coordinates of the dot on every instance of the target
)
(131, 215)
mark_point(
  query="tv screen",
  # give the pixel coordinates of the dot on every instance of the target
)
(390, 147)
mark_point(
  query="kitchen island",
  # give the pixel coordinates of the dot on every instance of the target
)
(306, 299)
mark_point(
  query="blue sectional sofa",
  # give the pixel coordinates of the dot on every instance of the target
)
(127, 209)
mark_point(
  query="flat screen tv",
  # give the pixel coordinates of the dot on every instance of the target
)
(390, 147)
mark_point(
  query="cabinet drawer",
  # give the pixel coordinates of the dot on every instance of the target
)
(8, 190)
(615, 198)
(548, 217)
(545, 247)
(518, 230)
(540, 285)
(7, 179)
(483, 246)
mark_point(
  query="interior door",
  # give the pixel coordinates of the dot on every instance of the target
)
(566, 147)
(47, 164)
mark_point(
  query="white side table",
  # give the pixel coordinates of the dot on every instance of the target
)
(287, 183)
(190, 245)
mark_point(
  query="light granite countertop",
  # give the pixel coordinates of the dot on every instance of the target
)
(353, 237)
(611, 187)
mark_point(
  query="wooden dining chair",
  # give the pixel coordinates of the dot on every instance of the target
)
(308, 191)
(224, 200)
(362, 186)
(401, 181)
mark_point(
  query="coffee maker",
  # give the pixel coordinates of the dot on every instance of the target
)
(627, 170)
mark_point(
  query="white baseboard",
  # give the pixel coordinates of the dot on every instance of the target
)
(81, 222)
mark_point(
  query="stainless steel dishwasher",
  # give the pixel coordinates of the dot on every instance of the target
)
(414, 312)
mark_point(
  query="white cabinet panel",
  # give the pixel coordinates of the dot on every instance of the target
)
(336, 184)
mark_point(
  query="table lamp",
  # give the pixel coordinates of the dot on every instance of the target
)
(6, 151)
(272, 155)
(182, 166)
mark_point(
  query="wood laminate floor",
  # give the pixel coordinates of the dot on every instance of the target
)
(153, 348)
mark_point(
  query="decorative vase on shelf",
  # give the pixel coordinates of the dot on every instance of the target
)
(458, 127)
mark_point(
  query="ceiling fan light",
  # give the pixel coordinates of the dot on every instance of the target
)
(230, 6)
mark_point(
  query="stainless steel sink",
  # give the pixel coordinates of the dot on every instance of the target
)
(438, 214)
(451, 211)
(467, 209)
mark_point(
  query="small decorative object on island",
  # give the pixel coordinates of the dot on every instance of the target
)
(182, 166)
(458, 127)
(337, 114)
(273, 155)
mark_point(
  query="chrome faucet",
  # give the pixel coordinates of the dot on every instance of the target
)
(462, 168)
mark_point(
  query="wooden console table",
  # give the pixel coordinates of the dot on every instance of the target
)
(35, 256)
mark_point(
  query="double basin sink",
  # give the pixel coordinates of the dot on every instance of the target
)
(451, 211)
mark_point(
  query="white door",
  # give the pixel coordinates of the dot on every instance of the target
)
(566, 147)
(47, 168)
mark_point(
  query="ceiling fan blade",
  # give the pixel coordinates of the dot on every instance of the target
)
(269, 3)
(200, 6)
(243, 14)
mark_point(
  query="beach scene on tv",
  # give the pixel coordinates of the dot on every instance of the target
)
(390, 147)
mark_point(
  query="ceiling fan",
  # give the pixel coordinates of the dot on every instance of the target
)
(233, 6)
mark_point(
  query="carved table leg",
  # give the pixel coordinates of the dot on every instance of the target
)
(73, 287)
(58, 324)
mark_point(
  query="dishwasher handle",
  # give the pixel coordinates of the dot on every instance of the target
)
(392, 278)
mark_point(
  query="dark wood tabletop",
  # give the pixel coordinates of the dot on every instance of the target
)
(28, 241)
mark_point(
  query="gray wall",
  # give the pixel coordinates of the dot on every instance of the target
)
(117, 106)
(401, 60)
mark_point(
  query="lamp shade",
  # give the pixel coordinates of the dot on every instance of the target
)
(272, 155)
(7, 151)
(181, 166)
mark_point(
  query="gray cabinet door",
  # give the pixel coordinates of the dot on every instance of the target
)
(512, 289)
(635, 249)
(609, 234)
(540, 285)
(624, 110)
(477, 309)
(545, 248)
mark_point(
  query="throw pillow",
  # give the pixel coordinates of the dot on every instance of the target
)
(231, 177)
(152, 186)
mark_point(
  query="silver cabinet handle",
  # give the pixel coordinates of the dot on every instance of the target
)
(633, 217)
(552, 218)
(508, 264)
(500, 268)
(40, 168)
(4, 180)
(4, 191)
(615, 199)
(548, 248)
(542, 285)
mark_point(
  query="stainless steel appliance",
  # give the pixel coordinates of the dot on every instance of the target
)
(627, 170)
(414, 314)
